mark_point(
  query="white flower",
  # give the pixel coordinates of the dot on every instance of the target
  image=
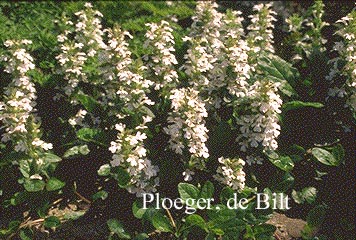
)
(187, 125)
(260, 126)
(187, 174)
(231, 173)
(260, 35)
(346, 51)
(78, 118)
(39, 143)
(20, 147)
(17, 112)
(88, 41)
(161, 62)
(36, 176)
(117, 160)
(206, 54)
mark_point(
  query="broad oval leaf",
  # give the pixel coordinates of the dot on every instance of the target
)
(187, 190)
(278, 70)
(138, 210)
(325, 157)
(54, 184)
(104, 170)
(207, 190)
(34, 185)
(123, 177)
(195, 220)
(88, 102)
(161, 222)
(283, 162)
(100, 195)
(50, 157)
(116, 227)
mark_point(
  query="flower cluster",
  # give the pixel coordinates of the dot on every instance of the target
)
(259, 121)
(124, 82)
(88, 39)
(129, 153)
(119, 81)
(312, 39)
(162, 60)
(187, 127)
(260, 35)
(17, 110)
(237, 53)
(347, 52)
(118, 86)
(316, 24)
(205, 57)
(129, 88)
(231, 173)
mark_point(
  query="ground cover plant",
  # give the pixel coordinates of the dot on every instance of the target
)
(144, 120)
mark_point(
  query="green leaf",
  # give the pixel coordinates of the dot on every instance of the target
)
(308, 194)
(34, 185)
(296, 150)
(137, 209)
(123, 177)
(207, 190)
(161, 222)
(100, 195)
(13, 225)
(297, 197)
(284, 183)
(88, 102)
(141, 236)
(320, 174)
(226, 193)
(217, 231)
(148, 215)
(339, 153)
(104, 170)
(25, 168)
(86, 134)
(283, 162)
(54, 184)
(116, 227)
(15, 156)
(249, 233)
(293, 105)
(221, 213)
(325, 157)
(52, 221)
(187, 190)
(147, 111)
(264, 230)
(210, 236)
(195, 220)
(278, 70)
(71, 152)
(84, 150)
(18, 198)
(52, 158)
